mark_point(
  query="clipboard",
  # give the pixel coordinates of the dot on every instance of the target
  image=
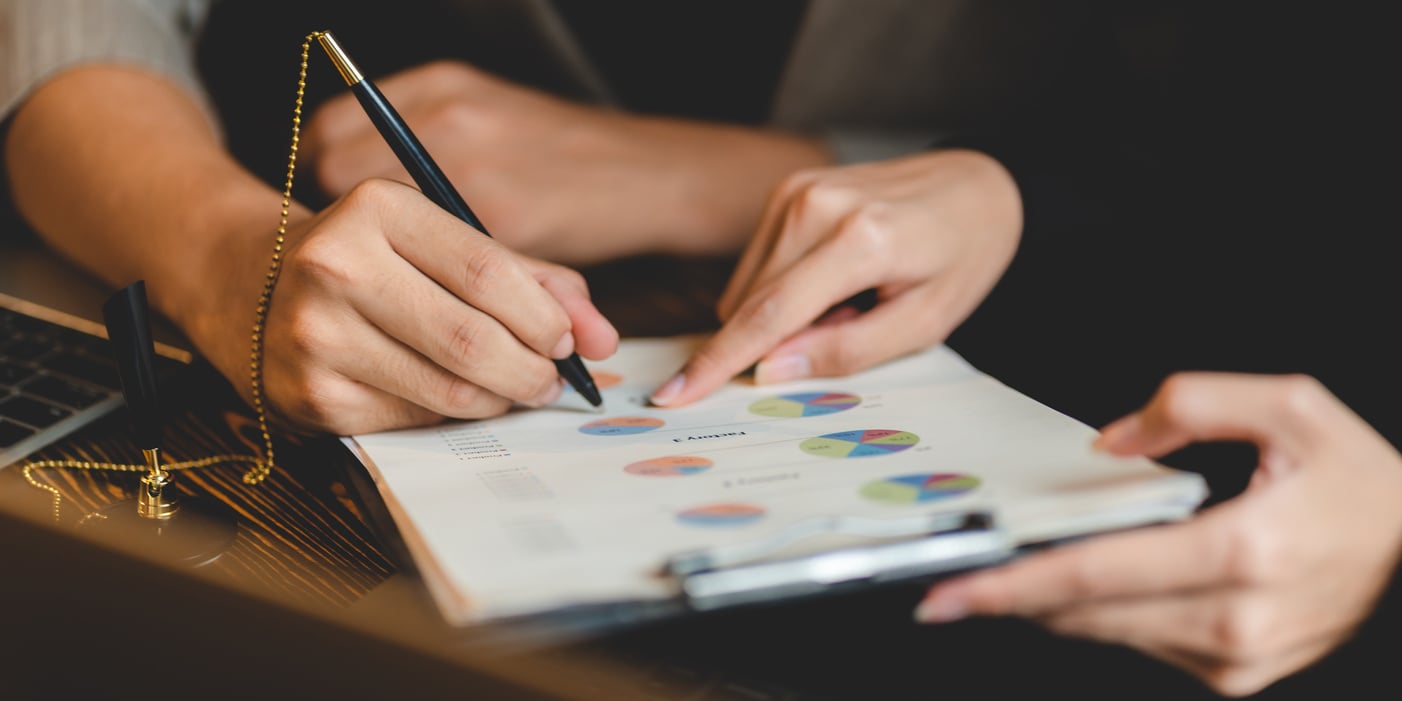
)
(752, 496)
(898, 549)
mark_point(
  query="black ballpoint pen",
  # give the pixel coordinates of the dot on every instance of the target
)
(431, 180)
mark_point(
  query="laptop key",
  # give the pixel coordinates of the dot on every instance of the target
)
(65, 392)
(27, 348)
(73, 338)
(27, 410)
(12, 433)
(87, 368)
(12, 374)
(24, 322)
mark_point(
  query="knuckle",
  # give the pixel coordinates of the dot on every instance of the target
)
(868, 224)
(1178, 397)
(372, 193)
(367, 192)
(445, 71)
(1253, 555)
(866, 231)
(1061, 624)
(1302, 397)
(324, 261)
(463, 342)
(820, 198)
(463, 398)
(794, 183)
(1081, 579)
(459, 397)
(453, 116)
(306, 333)
(317, 399)
(1236, 633)
(483, 269)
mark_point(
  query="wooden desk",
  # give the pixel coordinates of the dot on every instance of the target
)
(305, 550)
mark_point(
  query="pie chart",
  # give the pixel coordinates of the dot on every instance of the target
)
(621, 425)
(792, 406)
(918, 488)
(670, 466)
(860, 444)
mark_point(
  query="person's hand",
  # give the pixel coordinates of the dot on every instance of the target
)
(931, 233)
(572, 183)
(1248, 591)
(390, 312)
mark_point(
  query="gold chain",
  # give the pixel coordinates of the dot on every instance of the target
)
(30, 467)
(255, 355)
(261, 468)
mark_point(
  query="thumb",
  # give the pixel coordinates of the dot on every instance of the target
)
(1279, 413)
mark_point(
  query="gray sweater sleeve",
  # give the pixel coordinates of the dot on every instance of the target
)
(41, 38)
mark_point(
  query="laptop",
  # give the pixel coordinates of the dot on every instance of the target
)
(56, 369)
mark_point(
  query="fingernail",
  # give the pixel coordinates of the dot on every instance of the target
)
(783, 369)
(941, 609)
(666, 393)
(563, 347)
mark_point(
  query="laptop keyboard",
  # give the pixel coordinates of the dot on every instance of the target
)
(53, 380)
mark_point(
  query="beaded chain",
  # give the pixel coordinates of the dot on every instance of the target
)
(261, 467)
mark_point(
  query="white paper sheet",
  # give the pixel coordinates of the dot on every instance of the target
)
(542, 509)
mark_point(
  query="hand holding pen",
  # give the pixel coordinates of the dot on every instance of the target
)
(391, 312)
(436, 187)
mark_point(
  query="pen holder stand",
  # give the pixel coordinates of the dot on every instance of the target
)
(181, 530)
(176, 529)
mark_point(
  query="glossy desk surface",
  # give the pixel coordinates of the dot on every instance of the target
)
(305, 547)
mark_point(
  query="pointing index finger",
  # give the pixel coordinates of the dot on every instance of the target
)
(767, 317)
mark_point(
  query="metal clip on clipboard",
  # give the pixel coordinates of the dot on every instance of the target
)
(899, 549)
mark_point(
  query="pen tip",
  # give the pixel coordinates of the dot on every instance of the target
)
(591, 395)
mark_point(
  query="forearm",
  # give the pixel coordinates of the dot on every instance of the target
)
(120, 171)
(721, 196)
